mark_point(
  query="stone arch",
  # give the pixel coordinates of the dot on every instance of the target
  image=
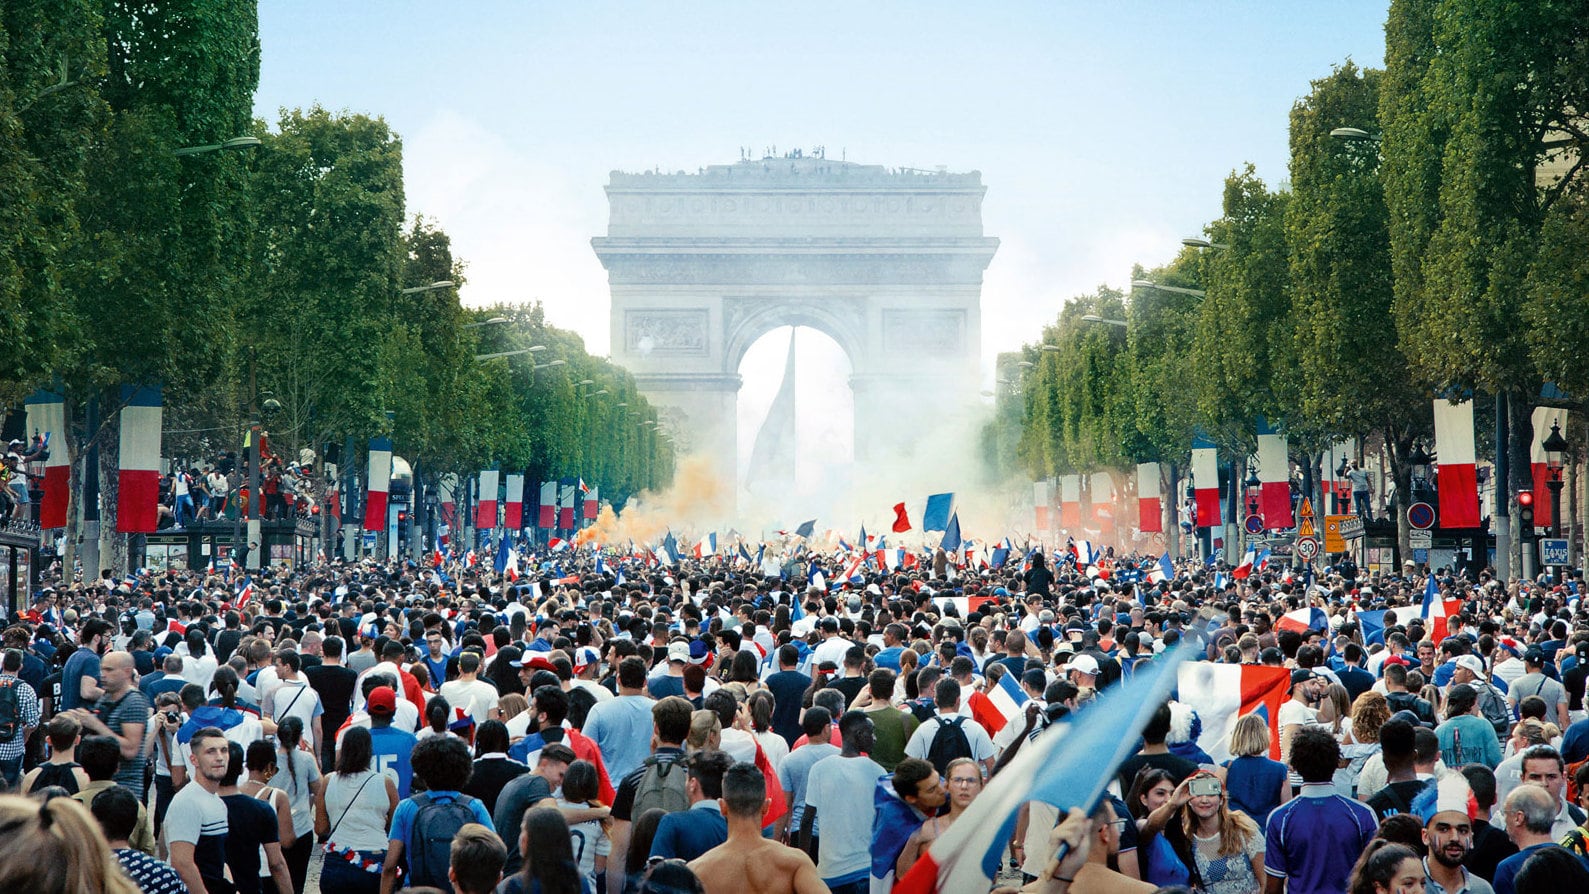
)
(741, 330)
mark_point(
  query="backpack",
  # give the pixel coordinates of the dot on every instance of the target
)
(662, 785)
(1494, 709)
(948, 744)
(436, 824)
(10, 710)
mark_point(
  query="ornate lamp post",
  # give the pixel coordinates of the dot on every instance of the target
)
(1555, 447)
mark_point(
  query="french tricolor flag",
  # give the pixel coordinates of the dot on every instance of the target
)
(1223, 693)
(1150, 502)
(964, 605)
(1274, 470)
(851, 570)
(485, 515)
(1000, 706)
(513, 509)
(591, 501)
(47, 416)
(380, 482)
(1205, 480)
(1162, 571)
(1435, 611)
(1070, 502)
(1253, 561)
(1040, 503)
(548, 507)
(1457, 475)
(138, 471)
(1303, 619)
(706, 546)
(556, 545)
(1067, 765)
(1085, 553)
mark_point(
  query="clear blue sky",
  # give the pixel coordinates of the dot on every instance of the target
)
(1103, 131)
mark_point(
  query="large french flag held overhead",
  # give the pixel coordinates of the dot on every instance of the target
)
(1274, 470)
(1070, 502)
(513, 509)
(1457, 476)
(380, 482)
(47, 417)
(547, 517)
(485, 513)
(1205, 481)
(1544, 417)
(1150, 502)
(1303, 620)
(138, 471)
(1067, 765)
(1436, 612)
(1222, 693)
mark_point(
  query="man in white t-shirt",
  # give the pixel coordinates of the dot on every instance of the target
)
(475, 696)
(947, 698)
(1307, 687)
(294, 697)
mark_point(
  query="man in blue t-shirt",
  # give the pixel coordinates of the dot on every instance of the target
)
(1313, 840)
(443, 764)
(392, 748)
(80, 677)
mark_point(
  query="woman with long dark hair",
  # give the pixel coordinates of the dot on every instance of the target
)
(352, 814)
(640, 838)
(297, 774)
(502, 674)
(549, 866)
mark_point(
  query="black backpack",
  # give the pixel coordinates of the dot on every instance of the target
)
(10, 710)
(948, 743)
(436, 824)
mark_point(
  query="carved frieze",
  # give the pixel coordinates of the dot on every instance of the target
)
(667, 332)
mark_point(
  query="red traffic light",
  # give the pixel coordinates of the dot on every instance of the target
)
(1525, 498)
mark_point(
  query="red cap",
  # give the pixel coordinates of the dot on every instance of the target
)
(383, 701)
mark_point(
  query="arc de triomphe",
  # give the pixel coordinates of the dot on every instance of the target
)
(888, 263)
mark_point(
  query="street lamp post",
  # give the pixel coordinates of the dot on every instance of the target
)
(1555, 447)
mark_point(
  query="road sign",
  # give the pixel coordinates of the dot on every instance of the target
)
(1305, 526)
(1553, 551)
(1421, 516)
(1254, 524)
(1305, 508)
(1307, 548)
(1417, 539)
(1351, 527)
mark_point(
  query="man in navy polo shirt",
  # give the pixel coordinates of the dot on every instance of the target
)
(1313, 840)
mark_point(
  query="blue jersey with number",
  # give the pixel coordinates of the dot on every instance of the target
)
(390, 753)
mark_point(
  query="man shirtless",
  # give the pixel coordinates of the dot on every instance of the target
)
(748, 863)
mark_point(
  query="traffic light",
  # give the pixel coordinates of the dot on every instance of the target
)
(1525, 510)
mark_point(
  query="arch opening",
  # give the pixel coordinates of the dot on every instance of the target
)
(806, 469)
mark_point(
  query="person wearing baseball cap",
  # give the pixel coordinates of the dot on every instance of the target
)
(671, 682)
(587, 673)
(1535, 682)
(390, 746)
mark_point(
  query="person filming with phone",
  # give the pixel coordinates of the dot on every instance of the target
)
(1196, 840)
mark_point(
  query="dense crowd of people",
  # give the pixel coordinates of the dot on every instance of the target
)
(703, 726)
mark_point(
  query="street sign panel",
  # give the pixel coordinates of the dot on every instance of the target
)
(1553, 551)
(1307, 548)
(1417, 539)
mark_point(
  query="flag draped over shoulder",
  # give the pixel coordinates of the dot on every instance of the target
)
(1068, 765)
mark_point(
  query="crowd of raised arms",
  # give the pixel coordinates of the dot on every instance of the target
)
(608, 726)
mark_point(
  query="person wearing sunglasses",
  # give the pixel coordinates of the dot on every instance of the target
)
(1195, 839)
